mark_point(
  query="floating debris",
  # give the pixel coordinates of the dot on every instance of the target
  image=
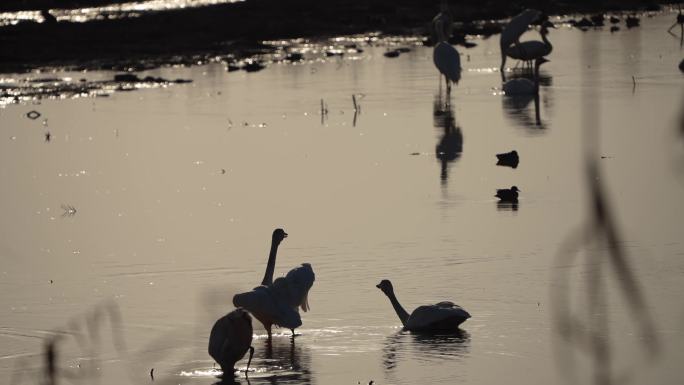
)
(69, 211)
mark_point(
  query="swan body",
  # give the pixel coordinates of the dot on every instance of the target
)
(277, 302)
(230, 338)
(532, 49)
(442, 316)
(508, 195)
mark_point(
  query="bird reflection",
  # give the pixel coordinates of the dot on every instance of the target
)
(286, 363)
(409, 346)
(450, 145)
(517, 106)
(507, 206)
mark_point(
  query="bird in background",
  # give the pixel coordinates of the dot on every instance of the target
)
(277, 302)
(508, 195)
(230, 338)
(446, 57)
(530, 50)
(524, 86)
(442, 316)
(512, 31)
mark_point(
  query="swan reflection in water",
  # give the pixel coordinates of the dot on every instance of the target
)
(424, 348)
(279, 360)
(517, 107)
(450, 145)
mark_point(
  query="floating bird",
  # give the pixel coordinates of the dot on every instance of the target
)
(446, 59)
(523, 86)
(276, 302)
(513, 30)
(532, 49)
(632, 21)
(508, 195)
(614, 20)
(230, 339)
(392, 53)
(509, 159)
(598, 20)
(443, 316)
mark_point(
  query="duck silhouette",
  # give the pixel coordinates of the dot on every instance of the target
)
(508, 195)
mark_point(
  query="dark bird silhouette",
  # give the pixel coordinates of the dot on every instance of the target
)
(509, 159)
(230, 339)
(443, 316)
(681, 65)
(508, 195)
(48, 18)
(614, 20)
(277, 302)
(632, 21)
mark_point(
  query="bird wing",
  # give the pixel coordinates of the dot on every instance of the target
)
(294, 287)
(517, 26)
(447, 61)
(265, 304)
(425, 316)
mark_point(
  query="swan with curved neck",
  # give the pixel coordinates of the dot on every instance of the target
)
(512, 31)
(523, 86)
(276, 302)
(443, 316)
(532, 49)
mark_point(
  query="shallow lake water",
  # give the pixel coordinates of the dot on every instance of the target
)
(175, 192)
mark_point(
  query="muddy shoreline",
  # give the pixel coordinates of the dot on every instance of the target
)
(234, 31)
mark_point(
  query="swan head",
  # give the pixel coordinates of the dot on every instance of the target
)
(545, 27)
(279, 235)
(538, 62)
(386, 286)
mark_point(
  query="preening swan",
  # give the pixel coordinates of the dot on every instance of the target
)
(523, 86)
(446, 57)
(443, 316)
(277, 302)
(230, 339)
(512, 32)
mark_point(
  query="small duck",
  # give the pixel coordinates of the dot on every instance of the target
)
(632, 21)
(508, 195)
(509, 159)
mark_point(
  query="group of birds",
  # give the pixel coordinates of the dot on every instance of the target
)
(277, 302)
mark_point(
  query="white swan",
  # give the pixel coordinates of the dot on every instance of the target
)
(446, 57)
(512, 31)
(443, 316)
(532, 49)
(230, 339)
(277, 302)
(524, 86)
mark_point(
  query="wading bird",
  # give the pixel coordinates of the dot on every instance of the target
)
(512, 31)
(230, 339)
(443, 316)
(277, 302)
(446, 58)
(524, 86)
(529, 50)
(508, 195)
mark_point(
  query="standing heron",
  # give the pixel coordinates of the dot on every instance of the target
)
(230, 339)
(512, 31)
(446, 58)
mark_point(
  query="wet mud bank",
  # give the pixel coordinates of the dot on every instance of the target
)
(236, 30)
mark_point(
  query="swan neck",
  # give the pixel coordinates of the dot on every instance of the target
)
(270, 266)
(545, 40)
(401, 313)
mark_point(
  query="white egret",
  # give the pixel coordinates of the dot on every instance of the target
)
(443, 316)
